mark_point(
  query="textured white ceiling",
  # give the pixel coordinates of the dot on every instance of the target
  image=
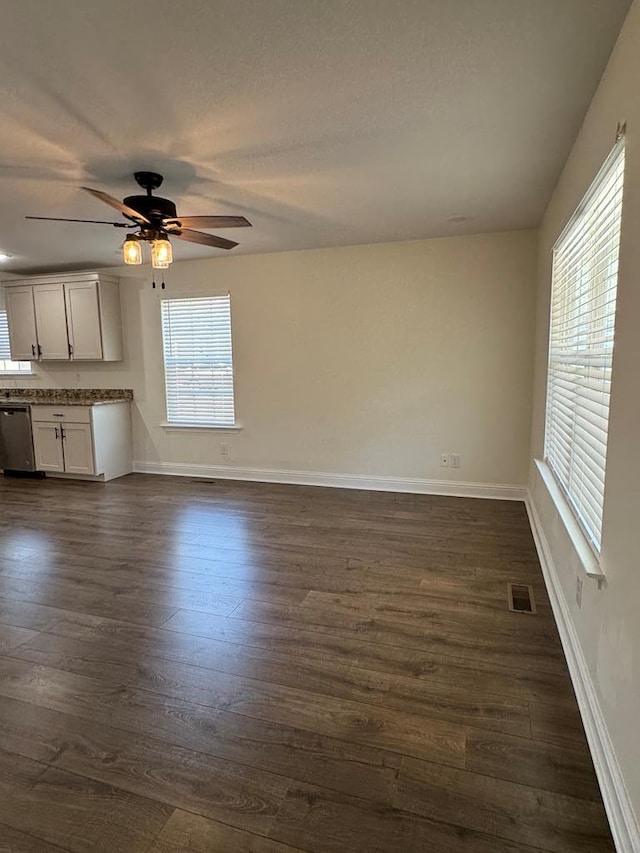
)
(325, 122)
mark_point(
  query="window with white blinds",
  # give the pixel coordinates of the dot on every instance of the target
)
(583, 307)
(198, 361)
(6, 364)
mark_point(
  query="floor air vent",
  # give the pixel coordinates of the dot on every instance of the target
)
(521, 598)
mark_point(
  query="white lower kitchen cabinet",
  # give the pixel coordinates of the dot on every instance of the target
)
(77, 443)
(85, 442)
(47, 446)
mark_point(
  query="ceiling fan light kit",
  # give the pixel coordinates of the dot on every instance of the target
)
(161, 251)
(157, 219)
(132, 250)
(161, 254)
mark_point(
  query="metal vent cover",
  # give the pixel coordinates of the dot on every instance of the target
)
(520, 598)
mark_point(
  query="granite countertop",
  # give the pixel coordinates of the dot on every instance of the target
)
(65, 396)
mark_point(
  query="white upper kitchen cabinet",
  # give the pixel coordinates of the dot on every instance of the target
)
(51, 322)
(83, 319)
(72, 316)
(21, 317)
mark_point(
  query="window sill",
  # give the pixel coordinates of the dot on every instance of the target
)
(586, 554)
(211, 427)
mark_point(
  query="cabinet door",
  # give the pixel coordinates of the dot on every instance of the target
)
(22, 323)
(78, 449)
(83, 320)
(47, 445)
(51, 321)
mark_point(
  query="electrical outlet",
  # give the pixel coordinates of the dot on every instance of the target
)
(579, 592)
(224, 450)
(444, 460)
(454, 460)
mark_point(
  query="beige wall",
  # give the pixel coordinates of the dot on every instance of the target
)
(366, 360)
(608, 625)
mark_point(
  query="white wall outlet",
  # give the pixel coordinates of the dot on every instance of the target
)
(579, 592)
(454, 460)
(224, 449)
(444, 460)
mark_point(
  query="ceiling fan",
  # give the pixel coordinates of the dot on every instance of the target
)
(156, 220)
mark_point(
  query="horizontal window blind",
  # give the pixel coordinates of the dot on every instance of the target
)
(6, 364)
(198, 360)
(583, 306)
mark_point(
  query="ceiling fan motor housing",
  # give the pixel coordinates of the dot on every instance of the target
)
(153, 207)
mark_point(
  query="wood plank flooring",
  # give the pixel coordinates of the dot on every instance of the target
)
(190, 666)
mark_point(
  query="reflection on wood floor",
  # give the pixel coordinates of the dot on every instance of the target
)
(190, 666)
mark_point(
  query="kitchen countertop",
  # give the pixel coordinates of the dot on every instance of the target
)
(65, 396)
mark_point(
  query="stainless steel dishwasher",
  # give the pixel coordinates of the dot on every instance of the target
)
(16, 441)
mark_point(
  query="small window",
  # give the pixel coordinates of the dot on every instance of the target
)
(198, 361)
(6, 364)
(583, 307)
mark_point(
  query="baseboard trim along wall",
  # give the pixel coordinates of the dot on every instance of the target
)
(623, 822)
(452, 488)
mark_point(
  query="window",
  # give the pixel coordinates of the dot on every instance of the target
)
(583, 306)
(198, 361)
(6, 365)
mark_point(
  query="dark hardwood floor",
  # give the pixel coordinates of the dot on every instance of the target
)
(190, 666)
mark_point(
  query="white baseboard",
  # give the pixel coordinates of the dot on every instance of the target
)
(622, 819)
(341, 481)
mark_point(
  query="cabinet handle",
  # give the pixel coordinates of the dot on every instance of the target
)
(33, 350)
(56, 429)
(62, 435)
(70, 350)
(39, 350)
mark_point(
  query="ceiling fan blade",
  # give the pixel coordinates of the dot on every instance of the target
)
(205, 239)
(113, 202)
(93, 221)
(208, 222)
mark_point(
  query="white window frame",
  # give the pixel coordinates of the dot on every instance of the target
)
(222, 350)
(8, 367)
(581, 343)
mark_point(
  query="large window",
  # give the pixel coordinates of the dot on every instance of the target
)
(198, 361)
(583, 306)
(6, 364)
